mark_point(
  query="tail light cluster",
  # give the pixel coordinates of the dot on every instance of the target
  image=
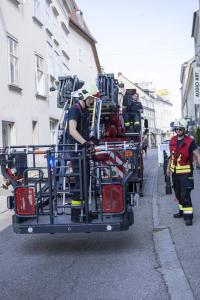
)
(25, 201)
(112, 198)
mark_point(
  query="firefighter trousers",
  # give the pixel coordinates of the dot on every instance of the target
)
(183, 184)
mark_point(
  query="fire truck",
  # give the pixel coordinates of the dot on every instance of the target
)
(44, 180)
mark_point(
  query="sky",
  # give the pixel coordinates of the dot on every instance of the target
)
(145, 40)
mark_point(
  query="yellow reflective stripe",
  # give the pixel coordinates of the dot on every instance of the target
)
(75, 202)
(187, 209)
(127, 123)
(183, 167)
(183, 171)
(180, 207)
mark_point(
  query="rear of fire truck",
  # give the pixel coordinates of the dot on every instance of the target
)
(44, 179)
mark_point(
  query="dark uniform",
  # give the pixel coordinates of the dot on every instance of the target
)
(181, 166)
(132, 118)
(81, 116)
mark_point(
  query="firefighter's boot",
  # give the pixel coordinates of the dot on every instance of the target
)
(188, 222)
(178, 215)
(137, 127)
(75, 211)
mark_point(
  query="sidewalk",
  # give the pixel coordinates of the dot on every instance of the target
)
(186, 238)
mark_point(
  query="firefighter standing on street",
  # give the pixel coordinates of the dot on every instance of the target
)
(182, 150)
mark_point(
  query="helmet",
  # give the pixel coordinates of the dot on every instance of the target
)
(88, 92)
(181, 123)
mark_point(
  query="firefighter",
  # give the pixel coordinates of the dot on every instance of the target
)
(182, 150)
(132, 118)
(78, 132)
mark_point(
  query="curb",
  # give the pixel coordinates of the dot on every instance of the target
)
(170, 267)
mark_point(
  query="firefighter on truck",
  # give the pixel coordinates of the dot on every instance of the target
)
(78, 132)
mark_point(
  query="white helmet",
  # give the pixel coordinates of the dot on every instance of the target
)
(86, 92)
(181, 123)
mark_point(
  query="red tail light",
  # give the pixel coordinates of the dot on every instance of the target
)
(25, 201)
(112, 198)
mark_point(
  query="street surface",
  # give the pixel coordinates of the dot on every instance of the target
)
(102, 266)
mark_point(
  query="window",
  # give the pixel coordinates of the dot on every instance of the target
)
(37, 10)
(57, 65)
(53, 130)
(13, 59)
(54, 21)
(35, 135)
(65, 70)
(90, 61)
(80, 55)
(64, 38)
(50, 56)
(7, 133)
(48, 22)
(40, 80)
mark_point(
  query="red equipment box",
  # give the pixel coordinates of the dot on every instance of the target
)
(112, 198)
(25, 201)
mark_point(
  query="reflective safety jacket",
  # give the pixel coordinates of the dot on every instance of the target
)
(181, 159)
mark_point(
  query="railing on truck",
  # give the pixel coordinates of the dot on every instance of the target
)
(45, 180)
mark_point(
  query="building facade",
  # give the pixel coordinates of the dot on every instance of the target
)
(190, 70)
(38, 44)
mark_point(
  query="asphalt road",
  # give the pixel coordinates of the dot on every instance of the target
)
(99, 266)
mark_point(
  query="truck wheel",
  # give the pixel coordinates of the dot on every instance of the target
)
(130, 216)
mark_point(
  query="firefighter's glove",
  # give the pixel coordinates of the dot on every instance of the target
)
(90, 147)
(94, 140)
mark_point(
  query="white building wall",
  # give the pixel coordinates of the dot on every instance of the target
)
(83, 62)
(163, 115)
(22, 105)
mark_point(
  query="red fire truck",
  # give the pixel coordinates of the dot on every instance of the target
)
(44, 181)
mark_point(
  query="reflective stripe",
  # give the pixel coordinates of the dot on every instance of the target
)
(187, 209)
(75, 202)
(188, 212)
(183, 167)
(180, 207)
(183, 171)
(136, 122)
(127, 123)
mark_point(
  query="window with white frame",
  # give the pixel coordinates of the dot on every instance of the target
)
(40, 78)
(65, 70)
(48, 23)
(54, 21)
(35, 133)
(80, 55)
(8, 133)
(13, 61)
(57, 65)
(53, 130)
(37, 10)
(50, 61)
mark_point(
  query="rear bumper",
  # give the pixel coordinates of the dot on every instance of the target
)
(113, 224)
(70, 228)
